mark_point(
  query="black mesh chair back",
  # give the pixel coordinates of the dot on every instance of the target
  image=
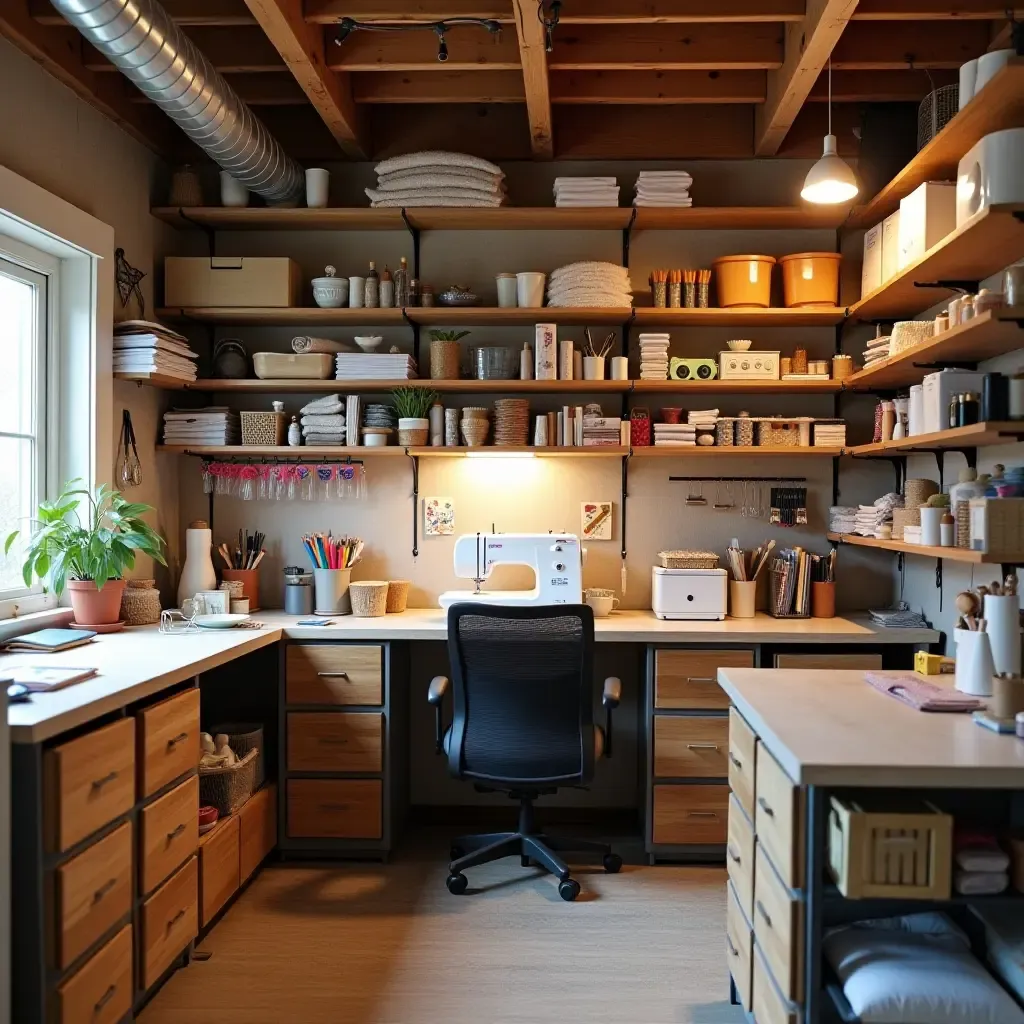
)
(522, 694)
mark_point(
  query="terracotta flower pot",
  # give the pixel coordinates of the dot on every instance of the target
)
(94, 607)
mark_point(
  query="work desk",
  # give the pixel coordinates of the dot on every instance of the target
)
(141, 661)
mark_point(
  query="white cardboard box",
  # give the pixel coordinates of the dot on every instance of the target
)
(890, 246)
(545, 352)
(939, 387)
(871, 267)
(927, 215)
(269, 281)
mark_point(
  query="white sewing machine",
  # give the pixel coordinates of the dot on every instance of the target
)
(556, 560)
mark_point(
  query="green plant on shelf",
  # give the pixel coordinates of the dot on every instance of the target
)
(412, 403)
(448, 335)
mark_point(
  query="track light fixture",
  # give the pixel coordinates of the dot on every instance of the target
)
(442, 46)
(548, 14)
(349, 25)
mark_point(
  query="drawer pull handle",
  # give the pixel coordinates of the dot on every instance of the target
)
(105, 998)
(699, 679)
(763, 804)
(701, 746)
(174, 833)
(733, 855)
(175, 740)
(764, 913)
(104, 889)
(174, 920)
(701, 814)
(333, 675)
(737, 763)
(733, 951)
(100, 783)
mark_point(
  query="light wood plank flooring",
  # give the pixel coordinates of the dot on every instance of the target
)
(372, 944)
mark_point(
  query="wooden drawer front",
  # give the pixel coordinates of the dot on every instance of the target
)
(168, 741)
(690, 815)
(334, 808)
(218, 868)
(689, 679)
(170, 921)
(257, 822)
(739, 856)
(334, 674)
(742, 761)
(100, 992)
(335, 741)
(169, 832)
(829, 661)
(778, 818)
(91, 893)
(769, 1005)
(693, 748)
(87, 783)
(739, 942)
(777, 927)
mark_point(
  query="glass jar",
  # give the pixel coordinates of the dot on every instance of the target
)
(724, 432)
(968, 409)
(744, 430)
(966, 308)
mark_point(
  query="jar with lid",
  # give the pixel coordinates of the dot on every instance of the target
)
(888, 420)
(954, 311)
(988, 300)
(968, 409)
(947, 530)
(966, 308)
(1013, 285)
(960, 494)
(298, 591)
(953, 416)
(744, 430)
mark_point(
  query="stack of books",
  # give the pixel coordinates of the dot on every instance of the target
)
(829, 434)
(600, 431)
(216, 426)
(144, 347)
(370, 366)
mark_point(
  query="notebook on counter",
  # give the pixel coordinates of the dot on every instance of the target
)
(42, 679)
(49, 641)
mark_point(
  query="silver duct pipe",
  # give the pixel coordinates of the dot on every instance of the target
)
(148, 48)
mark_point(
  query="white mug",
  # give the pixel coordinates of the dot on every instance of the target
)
(232, 191)
(603, 602)
(317, 181)
(356, 288)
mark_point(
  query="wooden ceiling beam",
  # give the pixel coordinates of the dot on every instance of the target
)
(808, 46)
(231, 13)
(932, 10)
(302, 48)
(864, 47)
(232, 51)
(469, 49)
(438, 87)
(330, 12)
(531, 37)
(665, 12)
(657, 88)
(878, 86)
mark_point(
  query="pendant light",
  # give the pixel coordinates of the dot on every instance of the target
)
(831, 180)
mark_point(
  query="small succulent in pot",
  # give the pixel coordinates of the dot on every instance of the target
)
(448, 335)
(412, 403)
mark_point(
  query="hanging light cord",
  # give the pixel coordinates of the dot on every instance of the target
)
(829, 96)
(349, 25)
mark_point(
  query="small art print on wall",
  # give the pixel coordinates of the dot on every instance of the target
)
(439, 516)
(597, 520)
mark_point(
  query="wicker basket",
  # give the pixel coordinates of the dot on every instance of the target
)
(902, 517)
(140, 603)
(263, 428)
(688, 559)
(369, 598)
(242, 738)
(908, 334)
(783, 433)
(444, 360)
(917, 491)
(229, 787)
(937, 109)
(398, 596)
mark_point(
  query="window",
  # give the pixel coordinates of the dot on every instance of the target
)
(28, 281)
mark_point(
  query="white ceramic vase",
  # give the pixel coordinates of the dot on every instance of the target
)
(198, 572)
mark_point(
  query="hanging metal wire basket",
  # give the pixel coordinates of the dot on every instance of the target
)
(936, 110)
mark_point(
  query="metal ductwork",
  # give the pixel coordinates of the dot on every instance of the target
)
(144, 44)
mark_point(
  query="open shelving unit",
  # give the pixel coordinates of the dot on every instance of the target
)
(977, 435)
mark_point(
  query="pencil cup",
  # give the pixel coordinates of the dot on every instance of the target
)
(1003, 617)
(974, 669)
(250, 580)
(330, 591)
(823, 600)
(742, 598)
(1007, 696)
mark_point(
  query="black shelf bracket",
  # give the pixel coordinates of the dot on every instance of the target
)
(900, 561)
(623, 495)
(835, 479)
(627, 232)
(899, 465)
(938, 580)
(415, 232)
(209, 232)
(414, 325)
(956, 284)
(415, 460)
(627, 329)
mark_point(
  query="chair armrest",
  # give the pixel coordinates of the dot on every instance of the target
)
(435, 696)
(612, 692)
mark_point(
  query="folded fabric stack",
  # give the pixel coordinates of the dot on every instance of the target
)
(829, 435)
(323, 421)
(586, 192)
(982, 865)
(590, 284)
(371, 366)
(900, 617)
(842, 518)
(871, 517)
(215, 425)
(601, 430)
(433, 178)
(675, 435)
(654, 356)
(305, 344)
(141, 346)
(703, 421)
(877, 350)
(663, 188)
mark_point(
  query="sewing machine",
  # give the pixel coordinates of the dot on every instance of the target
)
(556, 560)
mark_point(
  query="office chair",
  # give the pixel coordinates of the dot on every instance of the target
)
(522, 723)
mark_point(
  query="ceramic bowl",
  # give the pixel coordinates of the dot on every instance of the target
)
(330, 292)
(739, 344)
(369, 343)
(456, 296)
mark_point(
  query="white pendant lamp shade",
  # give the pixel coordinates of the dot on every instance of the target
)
(831, 179)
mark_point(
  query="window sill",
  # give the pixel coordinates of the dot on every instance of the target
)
(46, 619)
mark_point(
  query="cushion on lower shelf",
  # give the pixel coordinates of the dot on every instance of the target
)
(1004, 937)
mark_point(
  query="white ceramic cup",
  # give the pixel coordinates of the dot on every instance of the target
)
(603, 602)
(356, 288)
(968, 78)
(507, 288)
(232, 191)
(988, 65)
(974, 668)
(620, 368)
(931, 521)
(530, 289)
(593, 367)
(317, 181)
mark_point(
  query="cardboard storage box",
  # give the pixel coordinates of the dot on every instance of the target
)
(231, 281)
(939, 388)
(927, 215)
(890, 246)
(871, 267)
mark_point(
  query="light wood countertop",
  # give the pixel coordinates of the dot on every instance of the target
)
(835, 729)
(141, 661)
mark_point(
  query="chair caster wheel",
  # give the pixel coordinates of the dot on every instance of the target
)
(612, 863)
(569, 889)
(457, 883)
(456, 852)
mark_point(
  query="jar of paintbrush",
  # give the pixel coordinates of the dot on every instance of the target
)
(241, 566)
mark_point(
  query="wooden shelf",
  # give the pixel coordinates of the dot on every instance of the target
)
(737, 387)
(506, 218)
(490, 316)
(505, 451)
(988, 335)
(284, 316)
(739, 316)
(1000, 104)
(992, 239)
(977, 435)
(750, 452)
(950, 554)
(156, 380)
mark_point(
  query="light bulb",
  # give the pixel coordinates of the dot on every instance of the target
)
(830, 180)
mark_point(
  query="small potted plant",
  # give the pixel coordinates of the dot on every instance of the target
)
(90, 558)
(412, 406)
(445, 354)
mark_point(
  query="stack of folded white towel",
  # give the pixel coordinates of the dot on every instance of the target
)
(654, 356)
(214, 425)
(703, 421)
(434, 178)
(590, 284)
(323, 421)
(877, 350)
(982, 866)
(141, 346)
(842, 518)
(871, 517)
(663, 188)
(586, 192)
(675, 435)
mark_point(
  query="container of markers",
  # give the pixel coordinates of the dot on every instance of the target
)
(330, 591)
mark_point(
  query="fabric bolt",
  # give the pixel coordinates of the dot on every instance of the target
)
(435, 158)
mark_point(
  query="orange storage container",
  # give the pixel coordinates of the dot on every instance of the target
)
(810, 278)
(744, 280)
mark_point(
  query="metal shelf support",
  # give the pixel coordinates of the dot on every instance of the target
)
(415, 232)
(627, 232)
(415, 460)
(623, 495)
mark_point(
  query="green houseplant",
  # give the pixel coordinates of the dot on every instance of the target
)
(89, 558)
(412, 406)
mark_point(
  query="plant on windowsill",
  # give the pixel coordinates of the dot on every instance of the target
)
(89, 560)
(412, 407)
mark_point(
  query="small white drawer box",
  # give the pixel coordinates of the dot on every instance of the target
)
(927, 215)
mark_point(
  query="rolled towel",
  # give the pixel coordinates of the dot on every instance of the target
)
(305, 343)
(435, 158)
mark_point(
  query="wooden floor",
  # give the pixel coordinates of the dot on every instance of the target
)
(372, 944)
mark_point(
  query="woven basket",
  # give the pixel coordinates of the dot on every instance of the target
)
(842, 367)
(937, 109)
(688, 559)
(904, 517)
(778, 433)
(140, 603)
(414, 438)
(398, 596)
(242, 738)
(908, 334)
(369, 598)
(228, 788)
(444, 360)
(918, 491)
(263, 428)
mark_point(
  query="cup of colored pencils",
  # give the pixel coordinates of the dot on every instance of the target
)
(332, 558)
(243, 563)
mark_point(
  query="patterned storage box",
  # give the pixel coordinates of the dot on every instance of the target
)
(263, 428)
(784, 433)
(724, 431)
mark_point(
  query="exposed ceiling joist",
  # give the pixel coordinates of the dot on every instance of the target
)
(878, 86)
(864, 47)
(183, 12)
(330, 12)
(469, 48)
(438, 87)
(530, 33)
(650, 88)
(932, 10)
(302, 48)
(232, 51)
(808, 46)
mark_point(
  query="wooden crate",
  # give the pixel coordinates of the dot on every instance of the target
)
(891, 848)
